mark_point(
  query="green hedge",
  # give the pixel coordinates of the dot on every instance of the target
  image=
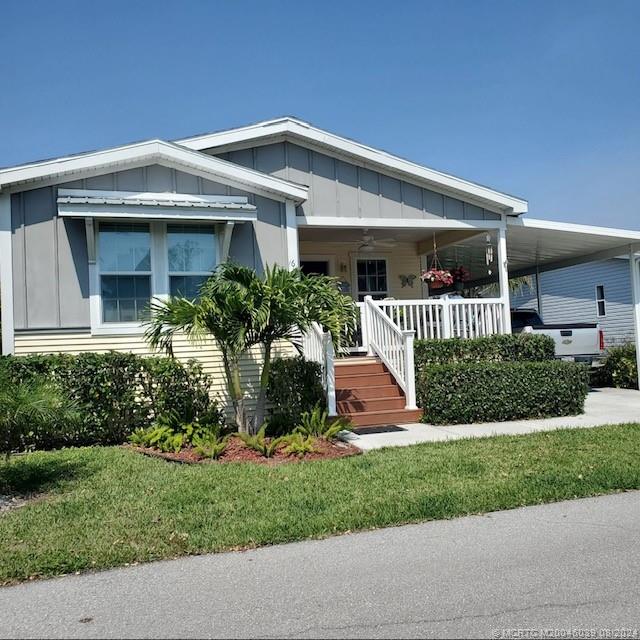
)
(468, 392)
(295, 386)
(521, 347)
(116, 393)
(619, 368)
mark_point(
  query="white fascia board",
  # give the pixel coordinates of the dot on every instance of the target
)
(396, 223)
(571, 227)
(303, 130)
(159, 151)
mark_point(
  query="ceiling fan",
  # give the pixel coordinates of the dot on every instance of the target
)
(369, 242)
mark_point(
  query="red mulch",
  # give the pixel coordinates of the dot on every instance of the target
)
(238, 451)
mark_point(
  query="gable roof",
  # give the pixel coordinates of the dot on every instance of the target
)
(298, 130)
(148, 152)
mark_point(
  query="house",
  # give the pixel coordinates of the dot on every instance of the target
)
(87, 240)
(590, 292)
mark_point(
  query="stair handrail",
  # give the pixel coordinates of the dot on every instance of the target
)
(394, 346)
(318, 346)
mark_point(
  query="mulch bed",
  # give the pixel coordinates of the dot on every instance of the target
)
(237, 451)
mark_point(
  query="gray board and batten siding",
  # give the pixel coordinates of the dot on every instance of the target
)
(339, 187)
(569, 295)
(50, 264)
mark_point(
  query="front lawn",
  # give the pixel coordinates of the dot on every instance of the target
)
(103, 507)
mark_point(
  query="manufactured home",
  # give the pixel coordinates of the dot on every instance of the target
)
(87, 240)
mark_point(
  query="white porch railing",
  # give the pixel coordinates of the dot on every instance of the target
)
(394, 346)
(318, 347)
(447, 318)
(388, 328)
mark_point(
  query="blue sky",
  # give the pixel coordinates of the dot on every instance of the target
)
(539, 99)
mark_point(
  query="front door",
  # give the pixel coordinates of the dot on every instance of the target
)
(315, 267)
(371, 278)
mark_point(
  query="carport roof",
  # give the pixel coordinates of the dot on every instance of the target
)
(543, 245)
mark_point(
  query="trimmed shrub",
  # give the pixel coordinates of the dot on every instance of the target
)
(520, 347)
(619, 368)
(466, 392)
(295, 387)
(115, 393)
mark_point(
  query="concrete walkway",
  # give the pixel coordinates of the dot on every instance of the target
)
(603, 406)
(564, 566)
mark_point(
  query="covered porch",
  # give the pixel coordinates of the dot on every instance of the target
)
(379, 262)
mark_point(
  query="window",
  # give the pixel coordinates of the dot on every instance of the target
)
(137, 261)
(192, 258)
(601, 303)
(372, 278)
(125, 271)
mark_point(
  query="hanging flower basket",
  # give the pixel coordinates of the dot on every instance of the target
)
(437, 278)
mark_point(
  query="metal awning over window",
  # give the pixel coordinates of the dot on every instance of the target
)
(89, 203)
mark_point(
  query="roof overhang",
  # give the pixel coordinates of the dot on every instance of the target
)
(88, 203)
(298, 130)
(144, 153)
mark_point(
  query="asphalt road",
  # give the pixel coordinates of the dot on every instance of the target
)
(571, 565)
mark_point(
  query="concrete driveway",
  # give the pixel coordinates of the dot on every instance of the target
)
(565, 566)
(602, 406)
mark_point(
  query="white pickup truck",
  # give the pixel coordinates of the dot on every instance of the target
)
(579, 341)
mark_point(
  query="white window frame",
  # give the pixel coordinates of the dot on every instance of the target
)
(159, 273)
(191, 273)
(602, 300)
(368, 256)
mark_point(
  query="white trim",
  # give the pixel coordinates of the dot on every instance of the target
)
(145, 153)
(551, 225)
(293, 255)
(305, 131)
(635, 299)
(397, 223)
(6, 275)
(599, 300)
(225, 243)
(503, 275)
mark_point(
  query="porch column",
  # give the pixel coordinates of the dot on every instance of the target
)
(6, 274)
(293, 255)
(503, 275)
(635, 298)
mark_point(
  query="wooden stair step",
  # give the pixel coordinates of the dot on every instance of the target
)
(357, 369)
(389, 416)
(364, 380)
(357, 405)
(374, 391)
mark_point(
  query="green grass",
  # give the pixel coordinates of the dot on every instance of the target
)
(104, 507)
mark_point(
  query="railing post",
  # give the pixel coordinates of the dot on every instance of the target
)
(330, 374)
(365, 324)
(446, 318)
(410, 370)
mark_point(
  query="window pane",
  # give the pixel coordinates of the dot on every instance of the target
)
(191, 248)
(372, 276)
(601, 308)
(186, 286)
(124, 247)
(600, 292)
(125, 298)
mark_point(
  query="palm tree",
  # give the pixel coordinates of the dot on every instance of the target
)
(240, 309)
(30, 406)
